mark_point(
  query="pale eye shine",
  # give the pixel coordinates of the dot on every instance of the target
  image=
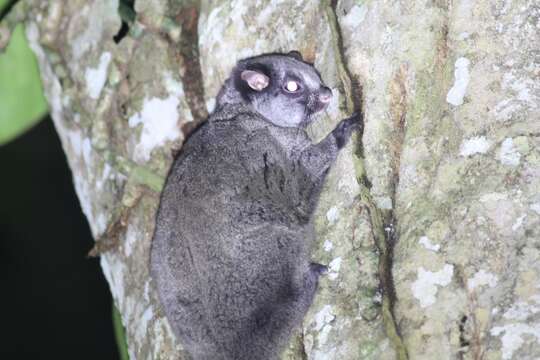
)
(291, 86)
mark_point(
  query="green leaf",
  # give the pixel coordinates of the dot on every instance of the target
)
(3, 4)
(120, 334)
(22, 103)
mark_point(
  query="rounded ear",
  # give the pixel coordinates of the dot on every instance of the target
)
(295, 54)
(255, 80)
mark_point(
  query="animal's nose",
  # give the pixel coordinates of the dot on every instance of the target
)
(325, 95)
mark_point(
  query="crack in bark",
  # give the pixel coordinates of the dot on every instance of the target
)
(353, 103)
(398, 112)
(191, 75)
(382, 225)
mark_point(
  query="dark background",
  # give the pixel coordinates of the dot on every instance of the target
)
(55, 302)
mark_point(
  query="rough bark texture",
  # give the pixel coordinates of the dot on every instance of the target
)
(430, 223)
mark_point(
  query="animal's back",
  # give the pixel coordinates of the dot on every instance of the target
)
(231, 234)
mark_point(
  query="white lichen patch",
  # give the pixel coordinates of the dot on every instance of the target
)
(113, 271)
(521, 311)
(323, 334)
(327, 246)
(383, 202)
(212, 27)
(461, 80)
(493, 197)
(425, 288)
(159, 118)
(210, 105)
(536, 207)
(100, 223)
(323, 324)
(87, 151)
(172, 85)
(146, 292)
(91, 34)
(508, 154)
(521, 86)
(139, 315)
(83, 190)
(130, 240)
(482, 278)
(81, 150)
(522, 92)
(105, 175)
(265, 14)
(308, 342)
(355, 16)
(323, 317)
(143, 321)
(239, 9)
(66, 102)
(96, 77)
(425, 242)
(474, 145)
(513, 336)
(333, 268)
(96, 18)
(463, 36)
(332, 215)
(74, 139)
(519, 222)
(520, 327)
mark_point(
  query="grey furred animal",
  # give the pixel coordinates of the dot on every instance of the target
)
(230, 254)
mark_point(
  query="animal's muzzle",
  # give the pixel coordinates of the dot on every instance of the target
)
(320, 100)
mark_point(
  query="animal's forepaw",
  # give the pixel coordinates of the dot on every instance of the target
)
(318, 268)
(344, 130)
(353, 122)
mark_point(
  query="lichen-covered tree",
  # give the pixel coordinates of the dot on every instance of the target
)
(430, 221)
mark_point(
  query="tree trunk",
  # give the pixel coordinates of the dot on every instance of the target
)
(430, 220)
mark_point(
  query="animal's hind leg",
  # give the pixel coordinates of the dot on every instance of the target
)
(273, 323)
(192, 326)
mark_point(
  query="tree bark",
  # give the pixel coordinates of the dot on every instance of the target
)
(430, 220)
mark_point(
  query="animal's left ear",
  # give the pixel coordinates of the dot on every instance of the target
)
(295, 54)
(255, 80)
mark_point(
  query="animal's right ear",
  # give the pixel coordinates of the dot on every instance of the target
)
(255, 80)
(296, 55)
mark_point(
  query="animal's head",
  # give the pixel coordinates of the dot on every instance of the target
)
(282, 87)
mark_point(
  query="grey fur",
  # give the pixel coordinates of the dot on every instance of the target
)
(230, 254)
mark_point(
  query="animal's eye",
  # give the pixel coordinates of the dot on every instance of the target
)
(292, 86)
